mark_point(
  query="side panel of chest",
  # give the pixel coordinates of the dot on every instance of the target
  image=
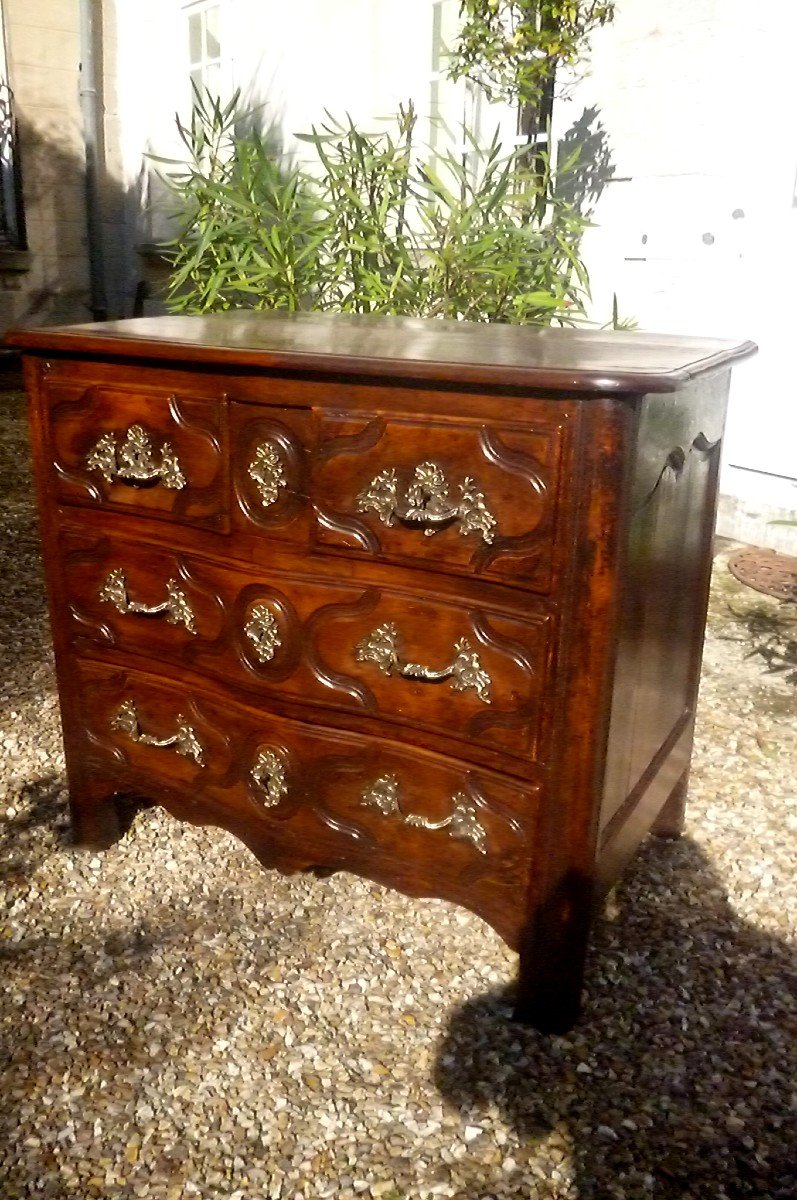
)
(665, 594)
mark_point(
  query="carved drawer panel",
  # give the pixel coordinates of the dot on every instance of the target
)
(139, 448)
(470, 672)
(457, 669)
(270, 466)
(426, 824)
(466, 497)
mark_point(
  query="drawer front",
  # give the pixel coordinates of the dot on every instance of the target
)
(467, 497)
(135, 447)
(419, 822)
(459, 670)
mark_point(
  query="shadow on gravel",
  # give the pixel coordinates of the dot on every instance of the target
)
(676, 1083)
(24, 632)
(97, 1007)
(41, 828)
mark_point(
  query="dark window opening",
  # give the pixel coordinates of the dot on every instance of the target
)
(12, 216)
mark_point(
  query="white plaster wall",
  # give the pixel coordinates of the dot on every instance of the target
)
(151, 82)
(297, 59)
(699, 232)
(354, 56)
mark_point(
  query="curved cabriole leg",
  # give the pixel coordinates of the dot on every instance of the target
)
(670, 821)
(552, 958)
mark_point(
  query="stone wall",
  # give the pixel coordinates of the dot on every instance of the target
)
(43, 56)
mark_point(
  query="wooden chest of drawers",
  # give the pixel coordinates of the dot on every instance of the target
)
(420, 600)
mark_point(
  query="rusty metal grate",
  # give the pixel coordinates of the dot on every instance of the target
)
(766, 571)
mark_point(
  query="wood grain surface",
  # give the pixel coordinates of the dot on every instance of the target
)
(590, 361)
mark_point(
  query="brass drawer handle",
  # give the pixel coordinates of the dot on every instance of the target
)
(462, 823)
(466, 673)
(184, 741)
(427, 502)
(133, 461)
(267, 473)
(269, 775)
(175, 607)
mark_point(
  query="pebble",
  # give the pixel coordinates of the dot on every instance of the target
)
(382, 1187)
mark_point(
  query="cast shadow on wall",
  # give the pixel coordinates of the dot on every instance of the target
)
(55, 287)
(584, 183)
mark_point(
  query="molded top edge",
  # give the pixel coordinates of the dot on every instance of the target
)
(568, 360)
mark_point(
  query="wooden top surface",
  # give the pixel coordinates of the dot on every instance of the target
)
(403, 348)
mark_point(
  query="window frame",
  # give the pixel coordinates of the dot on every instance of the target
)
(200, 65)
(453, 105)
(13, 234)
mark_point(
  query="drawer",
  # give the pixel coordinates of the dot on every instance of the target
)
(422, 823)
(132, 446)
(464, 496)
(452, 668)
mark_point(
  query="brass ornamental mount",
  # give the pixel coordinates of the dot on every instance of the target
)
(383, 794)
(263, 632)
(462, 823)
(466, 673)
(267, 472)
(175, 608)
(269, 775)
(426, 502)
(184, 741)
(133, 460)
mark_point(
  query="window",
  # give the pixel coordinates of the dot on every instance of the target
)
(453, 107)
(204, 47)
(12, 220)
(457, 107)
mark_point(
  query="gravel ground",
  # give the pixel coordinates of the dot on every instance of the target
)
(176, 1023)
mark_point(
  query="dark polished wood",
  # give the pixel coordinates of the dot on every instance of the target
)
(324, 818)
(403, 348)
(316, 626)
(420, 600)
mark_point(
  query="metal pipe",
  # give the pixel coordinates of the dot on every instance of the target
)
(95, 164)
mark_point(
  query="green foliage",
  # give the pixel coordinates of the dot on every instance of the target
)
(248, 230)
(487, 252)
(370, 228)
(618, 322)
(365, 259)
(512, 48)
